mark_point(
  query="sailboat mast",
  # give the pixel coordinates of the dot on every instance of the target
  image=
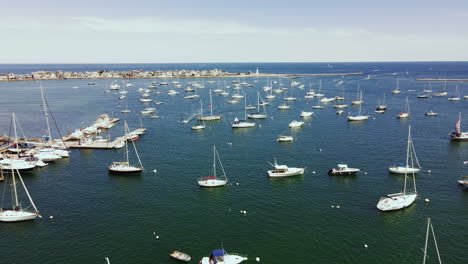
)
(46, 115)
(211, 104)
(427, 238)
(245, 107)
(407, 158)
(214, 161)
(16, 133)
(26, 191)
(435, 243)
(258, 102)
(15, 193)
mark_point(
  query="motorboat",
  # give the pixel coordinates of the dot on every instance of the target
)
(343, 169)
(431, 113)
(284, 171)
(306, 114)
(317, 107)
(339, 112)
(296, 123)
(285, 139)
(219, 256)
(180, 256)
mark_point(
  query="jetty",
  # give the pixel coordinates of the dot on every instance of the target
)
(441, 80)
(88, 143)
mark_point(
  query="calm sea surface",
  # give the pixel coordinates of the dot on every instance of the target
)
(293, 220)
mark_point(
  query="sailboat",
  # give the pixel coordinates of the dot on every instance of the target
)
(358, 100)
(124, 166)
(319, 94)
(457, 95)
(214, 180)
(406, 113)
(397, 89)
(17, 213)
(201, 125)
(458, 135)
(406, 168)
(257, 114)
(396, 201)
(381, 107)
(211, 117)
(242, 123)
(8, 164)
(284, 106)
(428, 229)
(284, 138)
(358, 116)
(442, 93)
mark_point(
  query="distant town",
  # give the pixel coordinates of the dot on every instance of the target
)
(141, 74)
(103, 74)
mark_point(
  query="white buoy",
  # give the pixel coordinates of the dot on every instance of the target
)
(426, 200)
(155, 171)
(313, 172)
(157, 237)
(51, 216)
(237, 184)
(338, 206)
(320, 150)
(257, 259)
(332, 206)
(365, 245)
(365, 172)
(154, 233)
(260, 125)
(429, 171)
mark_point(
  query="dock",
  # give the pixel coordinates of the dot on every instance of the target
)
(77, 144)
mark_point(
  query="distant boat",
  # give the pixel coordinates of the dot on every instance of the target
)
(431, 113)
(397, 89)
(284, 171)
(359, 116)
(397, 201)
(16, 213)
(258, 115)
(296, 123)
(383, 106)
(201, 125)
(458, 135)
(305, 114)
(406, 113)
(242, 123)
(211, 117)
(214, 180)
(317, 107)
(457, 95)
(406, 168)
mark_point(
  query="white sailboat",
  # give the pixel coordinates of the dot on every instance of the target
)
(397, 89)
(284, 106)
(406, 113)
(211, 117)
(17, 213)
(359, 116)
(214, 180)
(396, 201)
(457, 95)
(458, 135)
(220, 256)
(258, 115)
(381, 107)
(406, 168)
(125, 166)
(358, 100)
(319, 94)
(242, 123)
(201, 125)
(443, 92)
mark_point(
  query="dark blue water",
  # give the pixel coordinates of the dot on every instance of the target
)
(97, 215)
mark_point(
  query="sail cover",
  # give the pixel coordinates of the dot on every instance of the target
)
(219, 252)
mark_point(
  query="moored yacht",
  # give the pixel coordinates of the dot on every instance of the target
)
(284, 171)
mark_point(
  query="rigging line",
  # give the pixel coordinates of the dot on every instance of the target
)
(55, 123)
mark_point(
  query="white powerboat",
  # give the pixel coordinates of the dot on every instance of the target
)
(285, 139)
(306, 114)
(296, 123)
(343, 169)
(284, 171)
(219, 256)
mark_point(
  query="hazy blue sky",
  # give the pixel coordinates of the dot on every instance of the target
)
(115, 31)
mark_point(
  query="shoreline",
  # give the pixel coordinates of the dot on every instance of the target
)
(235, 75)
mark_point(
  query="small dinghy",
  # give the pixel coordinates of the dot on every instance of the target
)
(180, 256)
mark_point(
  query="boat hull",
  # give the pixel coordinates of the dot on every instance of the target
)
(403, 170)
(211, 182)
(16, 216)
(290, 172)
(209, 118)
(397, 201)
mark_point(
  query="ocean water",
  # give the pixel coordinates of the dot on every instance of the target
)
(291, 220)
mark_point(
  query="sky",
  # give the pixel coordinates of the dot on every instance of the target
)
(176, 31)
